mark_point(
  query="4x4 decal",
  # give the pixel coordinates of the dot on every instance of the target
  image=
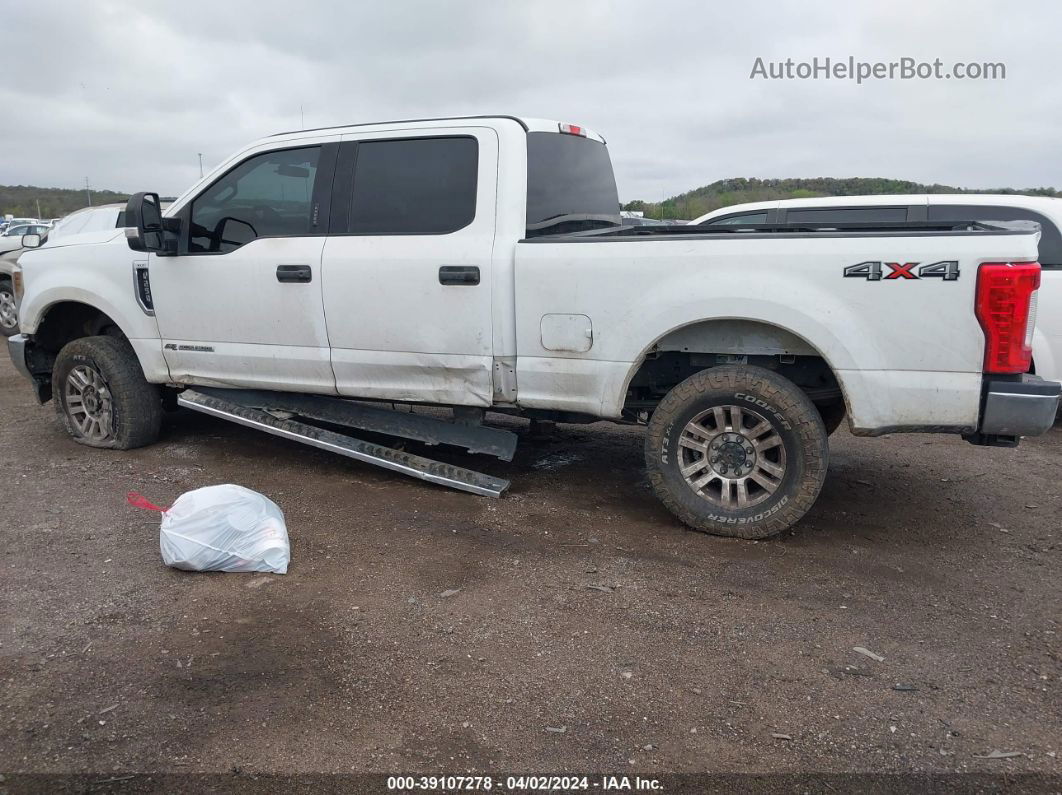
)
(948, 270)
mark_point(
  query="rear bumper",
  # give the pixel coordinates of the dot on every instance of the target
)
(16, 346)
(1023, 407)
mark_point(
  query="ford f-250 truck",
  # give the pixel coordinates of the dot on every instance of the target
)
(479, 264)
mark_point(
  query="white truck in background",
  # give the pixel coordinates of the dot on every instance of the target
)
(936, 207)
(479, 264)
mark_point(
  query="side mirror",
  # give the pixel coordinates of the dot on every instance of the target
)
(31, 241)
(143, 219)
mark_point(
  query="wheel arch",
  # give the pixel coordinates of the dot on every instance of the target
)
(66, 320)
(754, 338)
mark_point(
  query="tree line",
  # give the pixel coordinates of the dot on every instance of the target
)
(29, 201)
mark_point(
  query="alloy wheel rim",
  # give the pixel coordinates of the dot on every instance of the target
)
(732, 456)
(88, 403)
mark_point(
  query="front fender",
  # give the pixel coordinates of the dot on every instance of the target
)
(35, 307)
(100, 276)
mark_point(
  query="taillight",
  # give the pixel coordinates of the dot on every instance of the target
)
(572, 129)
(1006, 310)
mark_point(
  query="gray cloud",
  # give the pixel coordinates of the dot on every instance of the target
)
(127, 93)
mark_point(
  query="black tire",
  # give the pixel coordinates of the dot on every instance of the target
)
(7, 308)
(116, 381)
(833, 415)
(794, 443)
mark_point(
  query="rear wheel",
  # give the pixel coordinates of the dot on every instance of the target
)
(737, 451)
(101, 396)
(8, 309)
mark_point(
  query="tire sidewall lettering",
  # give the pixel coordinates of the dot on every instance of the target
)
(763, 404)
(665, 443)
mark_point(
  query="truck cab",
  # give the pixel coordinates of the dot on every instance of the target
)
(373, 261)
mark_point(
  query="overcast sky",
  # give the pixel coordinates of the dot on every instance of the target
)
(127, 94)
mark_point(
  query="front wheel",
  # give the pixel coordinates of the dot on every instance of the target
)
(737, 451)
(101, 396)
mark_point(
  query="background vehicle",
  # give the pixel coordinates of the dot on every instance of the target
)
(91, 225)
(1047, 338)
(479, 264)
(99, 222)
(11, 239)
(638, 221)
(13, 222)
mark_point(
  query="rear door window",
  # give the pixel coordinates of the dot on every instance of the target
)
(414, 186)
(1050, 239)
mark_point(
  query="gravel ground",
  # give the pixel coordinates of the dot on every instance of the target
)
(572, 626)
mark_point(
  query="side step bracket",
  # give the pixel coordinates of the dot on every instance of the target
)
(379, 455)
(407, 425)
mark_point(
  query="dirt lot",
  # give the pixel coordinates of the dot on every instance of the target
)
(589, 631)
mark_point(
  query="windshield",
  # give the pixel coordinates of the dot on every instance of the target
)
(570, 185)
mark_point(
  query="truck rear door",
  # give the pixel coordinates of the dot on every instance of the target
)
(406, 268)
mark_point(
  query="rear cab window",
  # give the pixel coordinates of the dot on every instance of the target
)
(570, 185)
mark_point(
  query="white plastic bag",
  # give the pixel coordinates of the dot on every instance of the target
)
(224, 528)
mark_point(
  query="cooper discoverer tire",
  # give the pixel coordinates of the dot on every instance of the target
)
(737, 451)
(101, 396)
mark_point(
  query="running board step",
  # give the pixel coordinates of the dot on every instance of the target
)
(407, 425)
(368, 452)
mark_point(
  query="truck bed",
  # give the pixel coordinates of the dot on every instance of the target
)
(906, 348)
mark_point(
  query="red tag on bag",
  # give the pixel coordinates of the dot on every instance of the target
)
(138, 500)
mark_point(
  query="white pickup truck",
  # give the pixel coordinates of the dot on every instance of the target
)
(479, 264)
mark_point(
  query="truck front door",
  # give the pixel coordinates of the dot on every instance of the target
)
(240, 305)
(406, 267)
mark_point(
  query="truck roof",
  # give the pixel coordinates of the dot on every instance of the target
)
(529, 124)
